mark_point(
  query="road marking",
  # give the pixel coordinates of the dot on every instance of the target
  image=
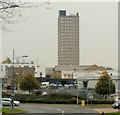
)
(61, 111)
(49, 108)
(45, 107)
(76, 106)
(98, 111)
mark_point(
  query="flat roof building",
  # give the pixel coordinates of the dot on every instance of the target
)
(68, 39)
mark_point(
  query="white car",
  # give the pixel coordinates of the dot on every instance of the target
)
(66, 85)
(116, 104)
(53, 84)
(71, 85)
(7, 101)
(59, 85)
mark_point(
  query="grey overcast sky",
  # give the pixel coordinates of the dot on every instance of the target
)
(36, 36)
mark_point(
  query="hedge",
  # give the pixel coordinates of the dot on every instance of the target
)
(101, 101)
(55, 98)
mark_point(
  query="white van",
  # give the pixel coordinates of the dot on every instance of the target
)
(44, 84)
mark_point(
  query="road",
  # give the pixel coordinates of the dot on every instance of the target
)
(57, 109)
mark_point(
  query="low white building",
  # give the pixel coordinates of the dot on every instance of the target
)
(90, 77)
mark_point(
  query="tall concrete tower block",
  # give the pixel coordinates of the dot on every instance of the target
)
(68, 39)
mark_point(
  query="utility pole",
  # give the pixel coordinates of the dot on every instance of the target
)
(13, 78)
(77, 91)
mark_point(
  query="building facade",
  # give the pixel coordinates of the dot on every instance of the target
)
(20, 70)
(68, 39)
(91, 78)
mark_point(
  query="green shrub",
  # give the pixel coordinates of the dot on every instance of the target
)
(49, 98)
(101, 101)
(54, 98)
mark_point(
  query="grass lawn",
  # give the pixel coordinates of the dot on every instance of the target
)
(118, 113)
(9, 110)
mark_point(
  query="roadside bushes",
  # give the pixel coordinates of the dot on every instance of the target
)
(55, 99)
(25, 98)
(49, 98)
(101, 101)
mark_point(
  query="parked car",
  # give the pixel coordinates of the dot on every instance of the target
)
(66, 85)
(44, 85)
(116, 104)
(71, 85)
(7, 101)
(59, 85)
(53, 84)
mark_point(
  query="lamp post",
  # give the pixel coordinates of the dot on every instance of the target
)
(19, 75)
(77, 91)
(77, 85)
(13, 81)
(12, 95)
(73, 73)
(110, 85)
(77, 100)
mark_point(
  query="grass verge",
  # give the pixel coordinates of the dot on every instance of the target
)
(9, 110)
(118, 113)
(99, 105)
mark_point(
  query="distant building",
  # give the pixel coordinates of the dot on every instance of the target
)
(68, 44)
(20, 70)
(91, 77)
(70, 70)
(50, 70)
(68, 39)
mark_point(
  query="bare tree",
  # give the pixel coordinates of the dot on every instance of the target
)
(10, 9)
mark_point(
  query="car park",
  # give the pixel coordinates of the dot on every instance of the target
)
(116, 104)
(7, 102)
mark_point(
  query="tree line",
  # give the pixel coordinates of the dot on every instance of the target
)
(104, 86)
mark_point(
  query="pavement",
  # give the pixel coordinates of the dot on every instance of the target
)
(107, 110)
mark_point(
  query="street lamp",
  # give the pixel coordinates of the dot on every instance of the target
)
(77, 86)
(19, 75)
(78, 90)
(13, 82)
(110, 84)
(73, 73)
(13, 78)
